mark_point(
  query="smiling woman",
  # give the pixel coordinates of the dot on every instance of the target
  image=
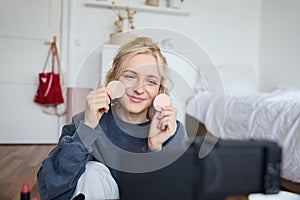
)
(111, 126)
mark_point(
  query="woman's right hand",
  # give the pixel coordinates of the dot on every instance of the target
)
(97, 103)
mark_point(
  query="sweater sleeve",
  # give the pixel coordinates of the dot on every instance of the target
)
(60, 171)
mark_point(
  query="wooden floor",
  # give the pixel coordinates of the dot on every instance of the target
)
(19, 164)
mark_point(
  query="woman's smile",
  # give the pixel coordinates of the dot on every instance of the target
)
(136, 99)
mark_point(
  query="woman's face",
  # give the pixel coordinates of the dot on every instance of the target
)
(142, 80)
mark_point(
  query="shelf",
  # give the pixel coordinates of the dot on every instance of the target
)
(143, 8)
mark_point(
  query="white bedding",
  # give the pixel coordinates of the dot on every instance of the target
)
(274, 116)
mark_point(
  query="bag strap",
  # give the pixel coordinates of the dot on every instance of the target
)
(55, 54)
(53, 50)
(47, 58)
(53, 58)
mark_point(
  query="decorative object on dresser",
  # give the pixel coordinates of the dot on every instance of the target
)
(152, 2)
(123, 24)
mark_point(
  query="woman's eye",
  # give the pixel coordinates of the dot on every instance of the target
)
(129, 76)
(152, 82)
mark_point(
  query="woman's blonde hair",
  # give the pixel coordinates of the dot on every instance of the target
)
(140, 45)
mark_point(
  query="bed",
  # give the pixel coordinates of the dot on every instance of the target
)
(250, 114)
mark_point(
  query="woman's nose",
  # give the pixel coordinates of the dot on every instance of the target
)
(139, 87)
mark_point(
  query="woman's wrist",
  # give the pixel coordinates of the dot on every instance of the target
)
(92, 125)
(154, 146)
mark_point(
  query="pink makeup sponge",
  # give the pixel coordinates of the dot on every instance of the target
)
(117, 88)
(161, 101)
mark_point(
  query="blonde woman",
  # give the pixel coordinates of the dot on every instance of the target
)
(78, 164)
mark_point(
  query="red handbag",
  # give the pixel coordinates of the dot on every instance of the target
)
(49, 91)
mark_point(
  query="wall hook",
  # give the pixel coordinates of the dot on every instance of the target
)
(53, 42)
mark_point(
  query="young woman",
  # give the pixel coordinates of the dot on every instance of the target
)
(78, 164)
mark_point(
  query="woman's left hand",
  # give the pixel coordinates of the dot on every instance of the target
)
(163, 126)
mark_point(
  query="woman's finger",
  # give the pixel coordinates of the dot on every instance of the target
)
(104, 90)
(168, 111)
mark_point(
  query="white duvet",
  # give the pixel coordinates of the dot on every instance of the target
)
(273, 116)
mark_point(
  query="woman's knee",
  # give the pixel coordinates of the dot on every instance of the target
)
(97, 181)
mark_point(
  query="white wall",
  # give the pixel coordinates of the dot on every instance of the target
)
(22, 55)
(280, 44)
(228, 30)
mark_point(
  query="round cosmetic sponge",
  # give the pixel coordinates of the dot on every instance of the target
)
(117, 88)
(161, 101)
